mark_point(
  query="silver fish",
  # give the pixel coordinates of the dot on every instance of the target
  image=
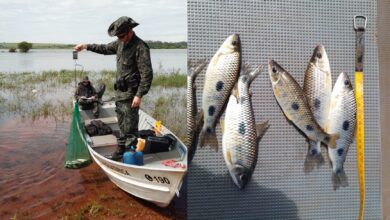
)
(317, 87)
(341, 120)
(193, 124)
(240, 137)
(221, 75)
(293, 102)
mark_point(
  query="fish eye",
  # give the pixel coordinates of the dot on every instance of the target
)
(319, 55)
(274, 69)
(346, 82)
(234, 43)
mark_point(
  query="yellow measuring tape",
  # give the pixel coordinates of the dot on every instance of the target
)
(359, 95)
(360, 138)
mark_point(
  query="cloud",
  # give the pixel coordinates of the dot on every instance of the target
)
(71, 21)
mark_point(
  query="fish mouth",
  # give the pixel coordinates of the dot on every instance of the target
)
(274, 70)
(343, 83)
(233, 42)
(320, 58)
(240, 175)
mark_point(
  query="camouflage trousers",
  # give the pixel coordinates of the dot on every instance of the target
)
(128, 123)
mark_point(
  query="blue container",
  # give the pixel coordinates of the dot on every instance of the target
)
(139, 158)
(129, 158)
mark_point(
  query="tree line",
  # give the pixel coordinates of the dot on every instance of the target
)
(26, 46)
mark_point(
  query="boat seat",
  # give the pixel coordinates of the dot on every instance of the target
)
(108, 120)
(104, 140)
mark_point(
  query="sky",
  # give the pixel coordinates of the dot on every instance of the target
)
(87, 21)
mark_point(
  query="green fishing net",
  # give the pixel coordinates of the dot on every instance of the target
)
(77, 154)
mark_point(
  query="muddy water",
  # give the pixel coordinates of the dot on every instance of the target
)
(34, 184)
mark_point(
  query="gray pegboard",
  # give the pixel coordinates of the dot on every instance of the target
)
(286, 31)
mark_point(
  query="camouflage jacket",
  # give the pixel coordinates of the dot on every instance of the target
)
(87, 91)
(132, 61)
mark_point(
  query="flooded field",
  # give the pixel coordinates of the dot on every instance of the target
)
(35, 112)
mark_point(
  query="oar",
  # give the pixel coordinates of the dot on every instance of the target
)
(359, 95)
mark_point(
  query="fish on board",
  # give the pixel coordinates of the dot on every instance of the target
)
(317, 87)
(240, 133)
(341, 120)
(221, 75)
(193, 124)
(294, 105)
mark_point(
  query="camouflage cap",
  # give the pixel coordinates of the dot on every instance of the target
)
(121, 25)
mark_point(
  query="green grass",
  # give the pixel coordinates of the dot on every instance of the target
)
(49, 94)
(170, 80)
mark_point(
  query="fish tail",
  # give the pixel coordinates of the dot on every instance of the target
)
(195, 135)
(208, 139)
(331, 139)
(339, 179)
(261, 129)
(314, 157)
(201, 138)
(314, 148)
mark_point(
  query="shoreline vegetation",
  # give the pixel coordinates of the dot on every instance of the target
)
(48, 94)
(152, 45)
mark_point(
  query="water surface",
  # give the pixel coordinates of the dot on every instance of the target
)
(35, 185)
(163, 60)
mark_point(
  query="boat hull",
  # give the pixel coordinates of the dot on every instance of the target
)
(157, 186)
(154, 181)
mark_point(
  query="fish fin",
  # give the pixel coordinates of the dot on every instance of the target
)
(210, 139)
(222, 124)
(253, 74)
(199, 120)
(339, 179)
(229, 156)
(235, 91)
(246, 69)
(194, 144)
(332, 140)
(314, 157)
(201, 138)
(199, 68)
(288, 116)
(261, 129)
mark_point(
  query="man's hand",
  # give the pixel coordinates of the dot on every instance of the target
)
(80, 47)
(136, 102)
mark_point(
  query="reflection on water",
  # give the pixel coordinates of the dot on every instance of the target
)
(34, 184)
(163, 60)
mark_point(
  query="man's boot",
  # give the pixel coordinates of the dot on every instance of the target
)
(118, 154)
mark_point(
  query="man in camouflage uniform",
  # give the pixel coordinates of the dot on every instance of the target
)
(86, 96)
(133, 80)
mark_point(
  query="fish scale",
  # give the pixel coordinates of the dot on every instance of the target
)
(293, 102)
(193, 125)
(240, 136)
(317, 87)
(220, 78)
(341, 120)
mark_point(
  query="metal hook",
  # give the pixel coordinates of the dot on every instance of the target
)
(354, 22)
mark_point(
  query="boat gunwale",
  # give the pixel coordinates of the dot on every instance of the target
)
(111, 104)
